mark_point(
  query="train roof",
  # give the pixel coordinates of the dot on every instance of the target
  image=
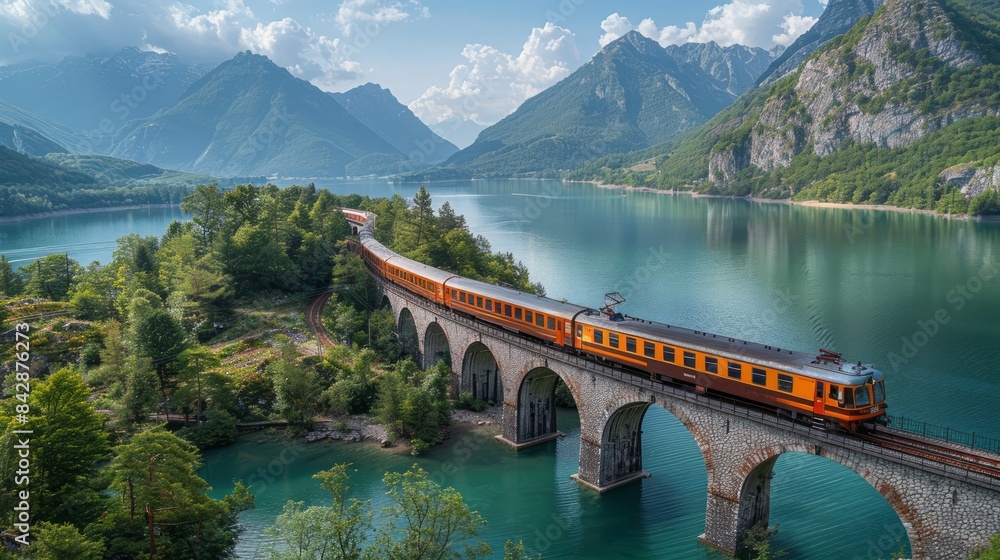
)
(397, 260)
(802, 363)
(533, 302)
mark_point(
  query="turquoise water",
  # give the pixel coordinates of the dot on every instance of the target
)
(85, 237)
(870, 284)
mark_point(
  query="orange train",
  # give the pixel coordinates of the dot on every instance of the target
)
(823, 388)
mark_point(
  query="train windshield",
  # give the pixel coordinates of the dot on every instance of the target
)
(862, 397)
(879, 391)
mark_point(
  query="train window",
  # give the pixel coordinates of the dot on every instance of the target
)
(668, 354)
(598, 336)
(479, 302)
(785, 383)
(613, 340)
(454, 295)
(862, 397)
(758, 376)
(835, 392)
(630, 344)
(848, 396)
(506, 310)
(528, 317)
(689, 359)
(517, 313)
(540, 320)
(711, 365)
(735, 370)
(649, 349)
(879, 391)
(552, 324)
(461, 297)
(579, 331)
(489, 305)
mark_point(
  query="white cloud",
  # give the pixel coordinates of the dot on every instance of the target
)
(356, 14)
(755, 23)
(491, 84)
(306, 54)
(793, 26)
(24, 10)
(614, 26)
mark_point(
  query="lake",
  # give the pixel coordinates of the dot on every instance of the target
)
(916, 295)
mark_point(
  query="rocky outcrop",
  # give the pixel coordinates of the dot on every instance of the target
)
(777, 138)
(850, 92)
(972, 180)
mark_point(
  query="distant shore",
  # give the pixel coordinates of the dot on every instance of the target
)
(5, 219)
(806, 203)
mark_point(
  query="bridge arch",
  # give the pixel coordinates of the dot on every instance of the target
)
(481, 374)
(621, 439)
(536, 403)
(755, 493)
(408, 337)
(436, 346)
(385, 303)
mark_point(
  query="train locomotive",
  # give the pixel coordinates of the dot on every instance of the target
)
(820, 388)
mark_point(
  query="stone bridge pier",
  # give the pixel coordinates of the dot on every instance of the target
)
(946, 513)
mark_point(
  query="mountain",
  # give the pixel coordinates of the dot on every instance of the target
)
(734, 68)
(122, 172)
(378, 109)
(21, 169)
(251, 117)
(631, 95)
(26, 140)
(56, 132)
(837, 18)
(901, 110)
(95, 95)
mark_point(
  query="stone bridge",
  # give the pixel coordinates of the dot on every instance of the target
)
(946, 511)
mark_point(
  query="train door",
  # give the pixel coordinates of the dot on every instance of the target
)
(819, 403)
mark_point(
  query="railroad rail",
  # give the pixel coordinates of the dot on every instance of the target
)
(314, 318)
(938, 451)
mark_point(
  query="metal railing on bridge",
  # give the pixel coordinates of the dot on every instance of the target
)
(967, 439)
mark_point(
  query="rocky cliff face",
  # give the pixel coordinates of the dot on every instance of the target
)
(867, 89)
(839, 16)
(972, 180)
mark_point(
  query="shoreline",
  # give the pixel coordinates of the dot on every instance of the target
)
(71, 212)
(804, 203)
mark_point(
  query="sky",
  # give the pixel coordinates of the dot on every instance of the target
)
(445, 59)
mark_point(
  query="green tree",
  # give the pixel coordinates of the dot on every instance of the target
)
(208, 209)
(62, 542)
(515, 551)
(139, 394)
(758, 542)
(195, 363)
(69, 440)
(10, 281)
(991, 552)
(51, 276)
(334, 532)
(157, 335)
(297, 392)
(158, 470)
(427, 521)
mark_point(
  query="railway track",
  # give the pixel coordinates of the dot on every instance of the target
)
(972, 460)
(314, 318)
